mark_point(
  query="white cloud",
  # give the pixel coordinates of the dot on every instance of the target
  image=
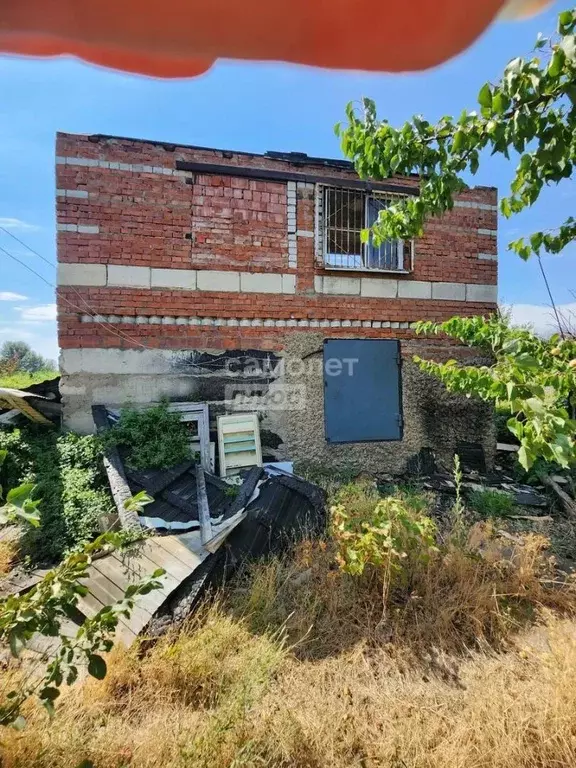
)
(44, 313)
(15, 334)
(540, 317)
(17, 224)
(9, 296)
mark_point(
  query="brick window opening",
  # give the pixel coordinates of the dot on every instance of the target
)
(343, 214)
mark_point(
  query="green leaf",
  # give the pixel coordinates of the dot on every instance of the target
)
(499, 102)
(568, 46)
(511, 346)
(17, 496)
(536, 405)
(524, 457)
(459, 141)
(556, 62)
(527, 362)
(96, 666)
(49, 693)
(16, 643)
(540, 41)
(485, 96)
(49, 707)
(516, 427)
(3, 454)
(137, 502)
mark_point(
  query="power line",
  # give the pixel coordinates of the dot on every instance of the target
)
(91, 310)
(7, 232)
(551, 297)
(106, 326)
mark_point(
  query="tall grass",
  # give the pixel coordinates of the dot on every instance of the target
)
(21, 379)
(473, 665)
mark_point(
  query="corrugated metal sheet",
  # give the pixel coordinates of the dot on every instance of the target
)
(362, 400)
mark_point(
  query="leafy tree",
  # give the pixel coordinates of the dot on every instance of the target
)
(530, 113)
(534, 378)
(19, 356)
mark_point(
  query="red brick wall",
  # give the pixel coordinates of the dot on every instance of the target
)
(134, 302)
(220, 222)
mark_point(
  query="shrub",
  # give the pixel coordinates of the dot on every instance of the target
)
(153, 438)
(388, 534)
(491, 503)
(69, 476)
(324, 476)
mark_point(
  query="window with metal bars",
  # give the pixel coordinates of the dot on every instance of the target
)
(344, 214)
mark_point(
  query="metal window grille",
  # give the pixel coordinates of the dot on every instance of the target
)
(346, 212)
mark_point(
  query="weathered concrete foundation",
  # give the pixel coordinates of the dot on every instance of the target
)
(286, 389)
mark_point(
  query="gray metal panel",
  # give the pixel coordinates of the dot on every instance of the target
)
(362, 390)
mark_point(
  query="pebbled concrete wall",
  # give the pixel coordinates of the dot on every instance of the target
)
(433, 417)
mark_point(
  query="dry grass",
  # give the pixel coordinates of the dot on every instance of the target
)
(223, 697)
(8, 554)
(299, 666)
(458, 601)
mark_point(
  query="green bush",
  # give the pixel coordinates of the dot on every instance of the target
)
(152, 438)
(69, 476)
(386, 534)
(490, 503)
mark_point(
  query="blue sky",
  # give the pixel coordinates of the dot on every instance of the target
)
(253, 107)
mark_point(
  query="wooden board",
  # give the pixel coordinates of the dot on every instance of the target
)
(15, 398)
(109, 576)
(203, 508)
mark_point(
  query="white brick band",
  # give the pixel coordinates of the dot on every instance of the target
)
(292, 251)
(84, 229)
(234, 322)
(473, 204)
(110, 166)
(488, 256)
(78, 193)
(388, 288)
(291, 222)
(120, 276)
(488, 232)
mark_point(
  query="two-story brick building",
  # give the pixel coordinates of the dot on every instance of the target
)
(241, 280)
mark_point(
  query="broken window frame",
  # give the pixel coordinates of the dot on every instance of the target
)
(394, 256)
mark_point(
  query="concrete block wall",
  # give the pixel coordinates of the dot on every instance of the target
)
(155, 257)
